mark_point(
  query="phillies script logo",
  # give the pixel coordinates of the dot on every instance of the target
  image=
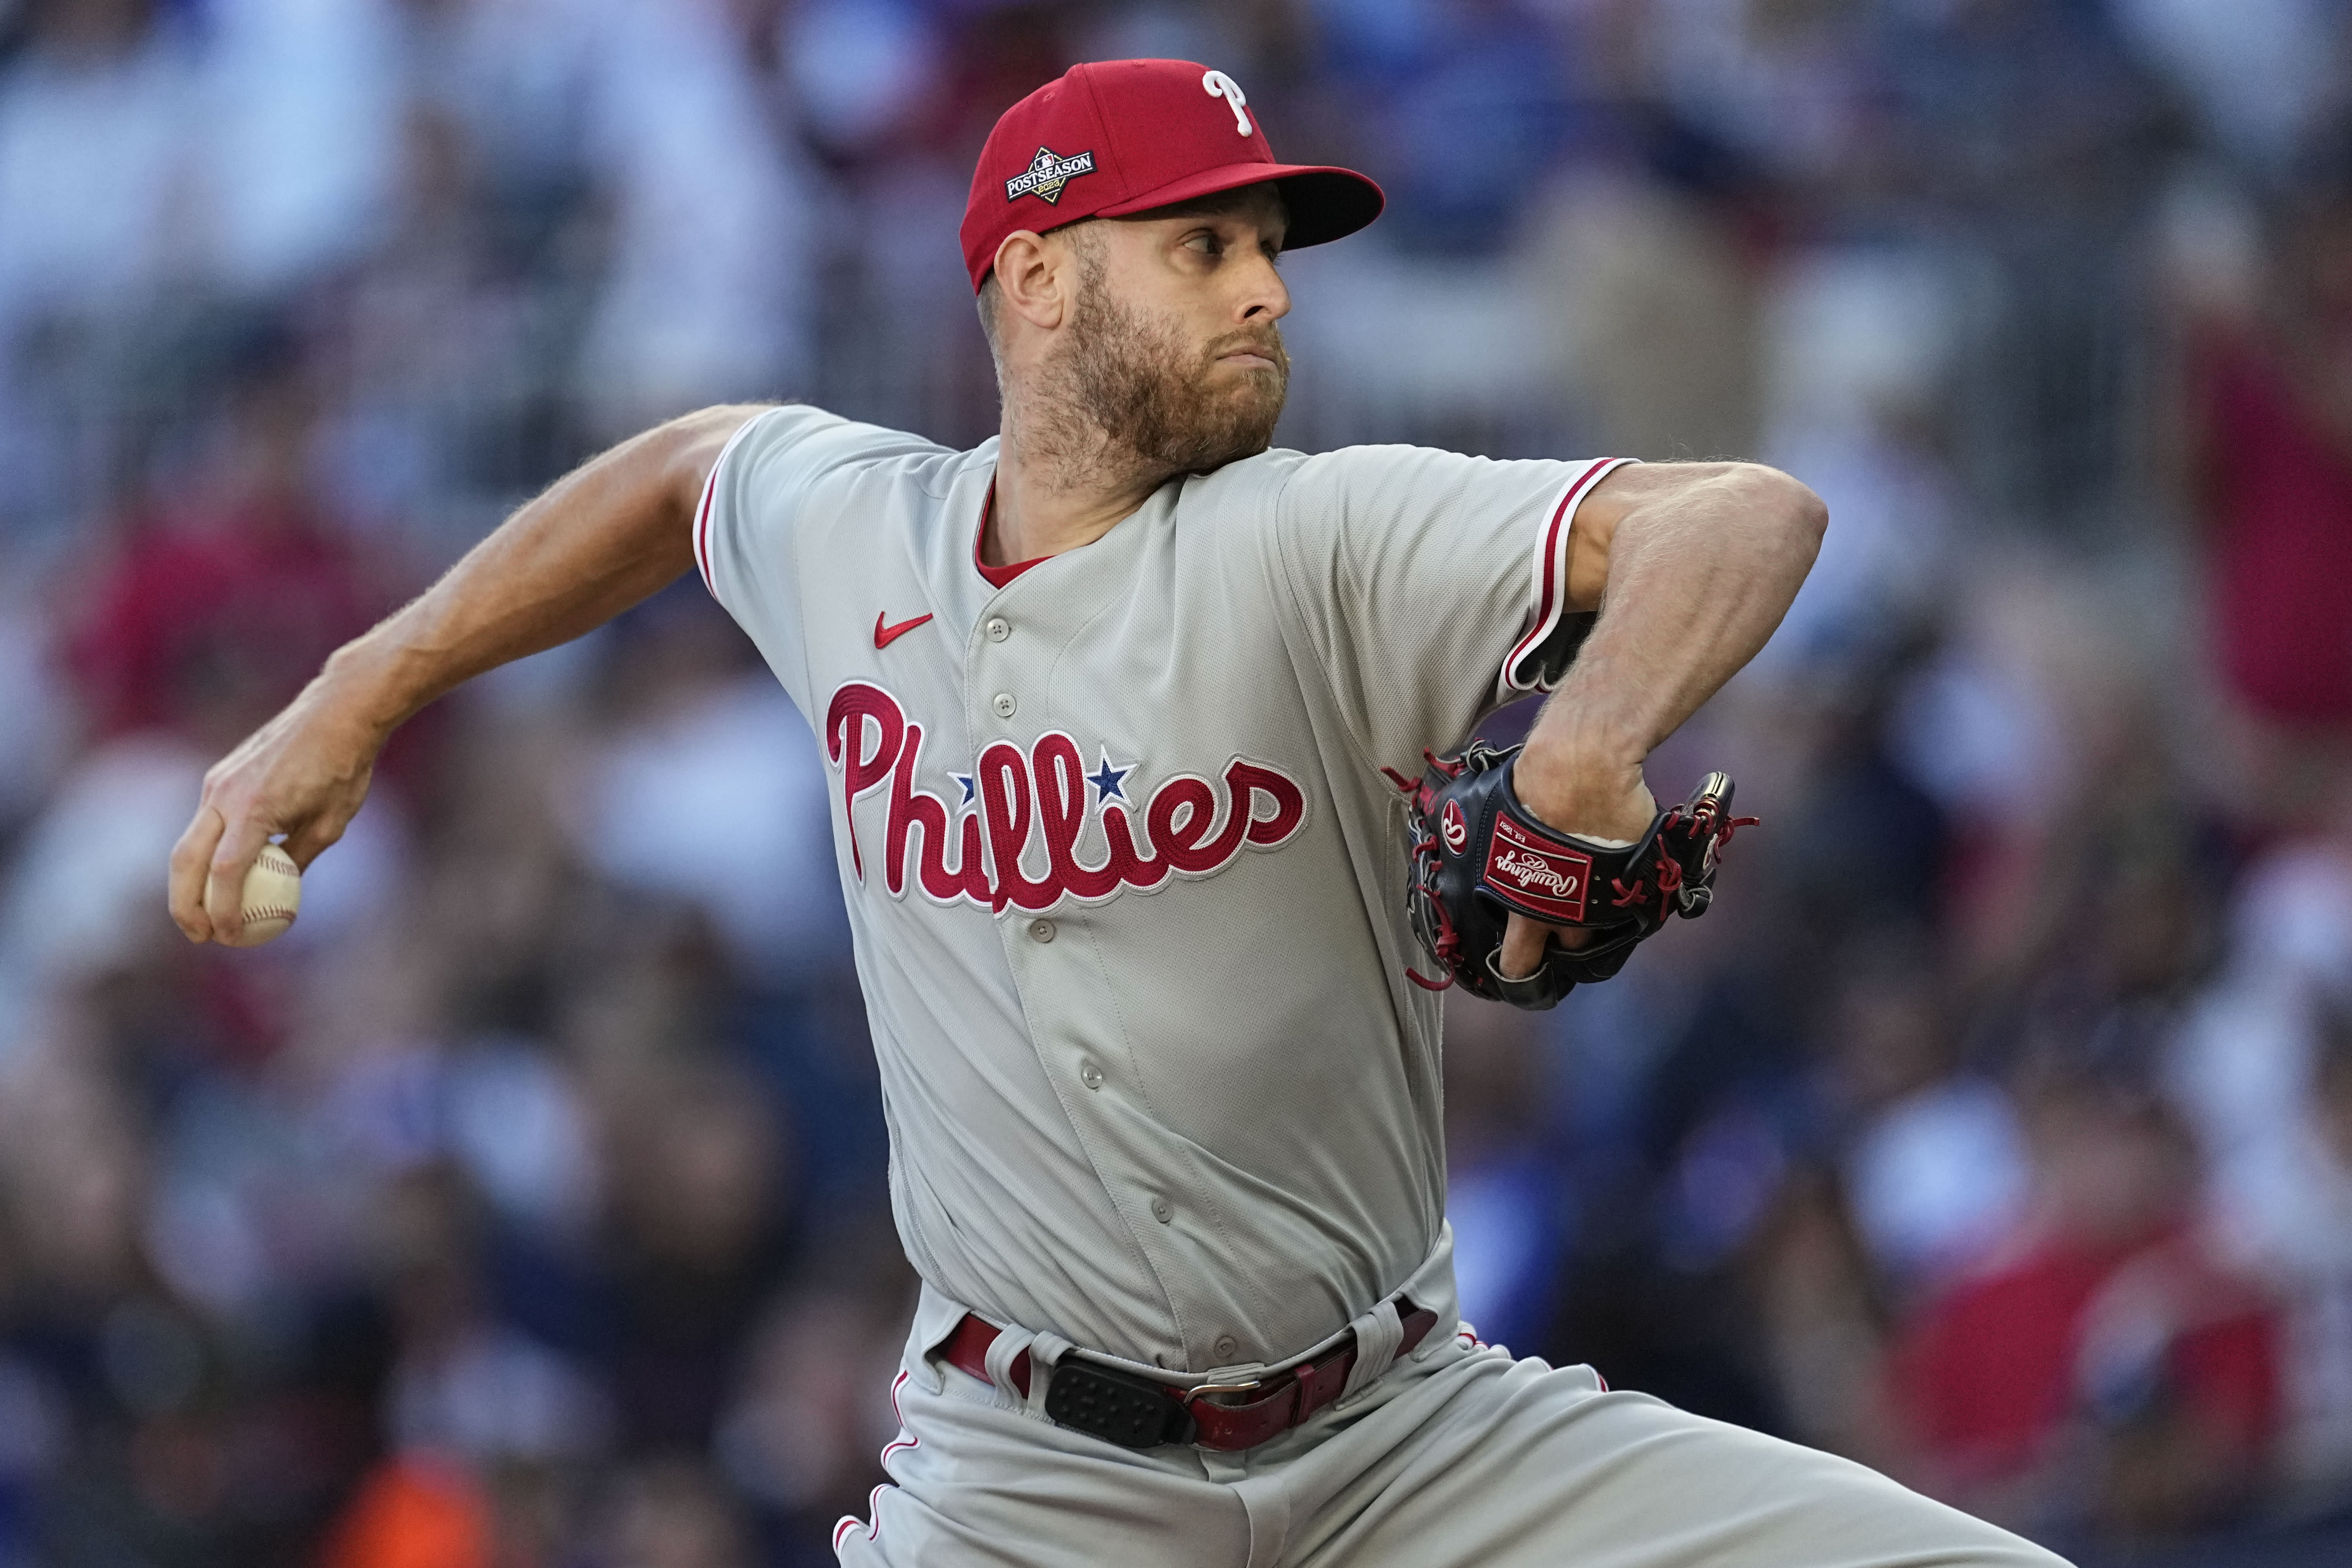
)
(1536, 878)
(1015, 839)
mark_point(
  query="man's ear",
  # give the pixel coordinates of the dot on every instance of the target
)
(1034, 278)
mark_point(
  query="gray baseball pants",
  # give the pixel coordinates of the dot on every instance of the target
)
(1460, 1455)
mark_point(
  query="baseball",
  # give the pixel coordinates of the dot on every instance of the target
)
(273, 893)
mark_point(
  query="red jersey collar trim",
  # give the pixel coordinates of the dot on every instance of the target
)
(998, 576)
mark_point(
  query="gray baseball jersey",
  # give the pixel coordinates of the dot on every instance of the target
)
(1122, 851)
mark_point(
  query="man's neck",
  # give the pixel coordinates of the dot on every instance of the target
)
(1058, 487)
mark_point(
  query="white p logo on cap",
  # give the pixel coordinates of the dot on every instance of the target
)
(1217, 84)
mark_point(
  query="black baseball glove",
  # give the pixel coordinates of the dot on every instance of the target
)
(1479, 857)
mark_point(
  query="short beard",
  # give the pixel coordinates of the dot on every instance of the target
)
(1144, 393)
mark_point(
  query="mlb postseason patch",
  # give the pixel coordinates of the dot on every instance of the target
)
(1535, 878)
(1046, 174)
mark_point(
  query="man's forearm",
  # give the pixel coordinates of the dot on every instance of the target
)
(1698, 574)
(612, 532)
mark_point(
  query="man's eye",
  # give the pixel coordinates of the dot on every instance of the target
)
(1206, 244)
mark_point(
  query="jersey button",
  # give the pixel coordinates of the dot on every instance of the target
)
(1226, 1347)
(999, 628)
(1162, 1210)
(1004, 705)
(1090, 1075)
(1041, 930)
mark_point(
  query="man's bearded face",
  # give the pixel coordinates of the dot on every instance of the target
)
(1152, 389)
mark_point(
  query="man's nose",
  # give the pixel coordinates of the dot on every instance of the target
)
(1268, 298)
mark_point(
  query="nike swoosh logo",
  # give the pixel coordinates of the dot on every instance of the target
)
(885, 636)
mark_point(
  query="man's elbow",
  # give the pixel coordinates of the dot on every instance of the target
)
(1792, 507)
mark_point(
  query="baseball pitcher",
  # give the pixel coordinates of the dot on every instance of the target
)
(1158, 857)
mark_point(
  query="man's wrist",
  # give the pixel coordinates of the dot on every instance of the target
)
(362, 689)
(1584, 783)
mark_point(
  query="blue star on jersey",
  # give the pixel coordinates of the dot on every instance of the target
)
(1110, 782)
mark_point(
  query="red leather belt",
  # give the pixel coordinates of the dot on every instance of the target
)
(1137, 1412)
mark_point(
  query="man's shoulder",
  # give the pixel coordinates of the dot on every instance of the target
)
(818, 436)
(1241, 481)
(838, 487)
(1297, 485)
(1278, 466)
(1279, 469)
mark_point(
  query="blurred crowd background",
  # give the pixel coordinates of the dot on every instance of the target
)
(525, 1205)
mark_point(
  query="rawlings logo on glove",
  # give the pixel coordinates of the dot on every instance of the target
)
(1479, 857)
(1545, 881)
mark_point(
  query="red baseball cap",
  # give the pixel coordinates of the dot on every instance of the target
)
(1118, 137)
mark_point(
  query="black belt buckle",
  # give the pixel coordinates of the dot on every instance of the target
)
(1117, 1406)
